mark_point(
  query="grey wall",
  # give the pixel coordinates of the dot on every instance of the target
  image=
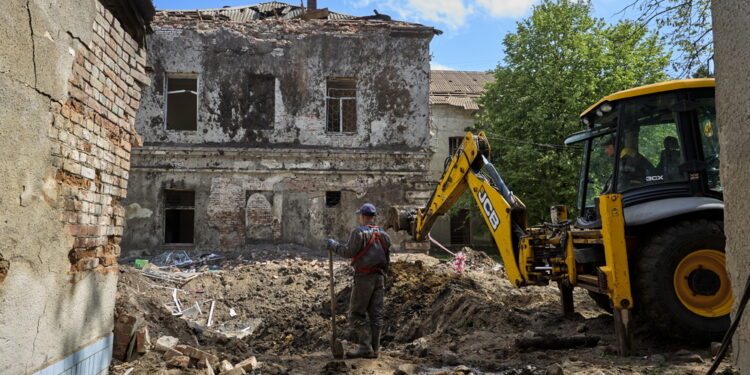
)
(286, 157)
(392, 73)
(732, 58)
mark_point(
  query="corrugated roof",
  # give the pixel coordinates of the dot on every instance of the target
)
(244, 13)
(458, 88)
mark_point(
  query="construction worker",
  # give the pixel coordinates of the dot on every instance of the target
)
(368, 247)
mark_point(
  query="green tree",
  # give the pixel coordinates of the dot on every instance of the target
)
(686, 26)
(559, 61)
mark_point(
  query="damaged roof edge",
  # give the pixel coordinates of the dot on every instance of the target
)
(280, 11)
(134, 15)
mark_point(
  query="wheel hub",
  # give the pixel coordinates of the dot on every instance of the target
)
(702, 285)
(704, 282)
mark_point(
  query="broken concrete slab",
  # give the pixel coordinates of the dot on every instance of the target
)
(164, 343)
(249, 364)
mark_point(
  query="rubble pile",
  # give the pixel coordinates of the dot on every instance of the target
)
(273, 316)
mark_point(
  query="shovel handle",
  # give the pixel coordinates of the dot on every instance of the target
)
(333, 296)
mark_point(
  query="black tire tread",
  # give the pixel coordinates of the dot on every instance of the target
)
(650, 303)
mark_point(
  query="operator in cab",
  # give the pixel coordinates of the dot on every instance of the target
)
(369, 250)
(634, 167)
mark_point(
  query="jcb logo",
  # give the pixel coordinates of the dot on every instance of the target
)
(488, 209)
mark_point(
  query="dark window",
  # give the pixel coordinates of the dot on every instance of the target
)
(453, 143)
(182, 103)
(179, 216)
(460, 227)
(333, 198)
(341, 105)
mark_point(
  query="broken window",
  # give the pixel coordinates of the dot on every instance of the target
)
(179, 216)
(341, 105)
(182, 102)
(453, 144)
(333, 198)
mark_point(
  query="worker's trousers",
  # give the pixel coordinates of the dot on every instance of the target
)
(367, 299)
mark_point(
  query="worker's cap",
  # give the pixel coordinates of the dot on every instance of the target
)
(367, 209)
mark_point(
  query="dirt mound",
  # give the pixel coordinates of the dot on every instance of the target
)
(434, 317)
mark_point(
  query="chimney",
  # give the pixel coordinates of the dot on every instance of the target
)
(312, 4)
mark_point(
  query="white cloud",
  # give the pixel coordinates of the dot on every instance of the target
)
(436, 66)
(452, 14)
(506, 8)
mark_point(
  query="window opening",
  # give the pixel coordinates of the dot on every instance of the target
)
(453, 144)
(182, 103)
(333, 198)
(341, 105)
(179, 216)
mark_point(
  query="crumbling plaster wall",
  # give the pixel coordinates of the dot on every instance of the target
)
(291, 161)
(294, 181)
(68, 104)
(732, 57)
(392, 72)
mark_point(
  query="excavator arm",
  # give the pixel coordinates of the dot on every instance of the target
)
(504, 213)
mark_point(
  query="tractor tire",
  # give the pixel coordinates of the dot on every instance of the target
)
(680, 281)
(601, 300)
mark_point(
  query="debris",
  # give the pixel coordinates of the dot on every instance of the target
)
(210, 321)
(181, 361)
(232, 313)
(225, 366)
(139, 263)
(235, 371)
(464, 370)
(124, 331)
(249, 364)
(193, 312)
(142, 340)
(165, 343)
(169, 259)
(554, 369)
(209, 369)
(554, 342)
(198, 354)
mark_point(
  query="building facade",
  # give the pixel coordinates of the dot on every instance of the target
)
(453, 110)
(273, 123)
(71, 74)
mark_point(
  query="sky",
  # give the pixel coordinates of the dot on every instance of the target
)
(472, 29)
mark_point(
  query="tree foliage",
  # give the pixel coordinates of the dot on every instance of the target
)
(559, 61)
(686, 26)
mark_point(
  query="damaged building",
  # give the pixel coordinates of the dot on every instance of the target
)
(453, 111)
(71, 74)
(273, 123)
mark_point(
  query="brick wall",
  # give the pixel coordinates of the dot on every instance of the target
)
(93, 134)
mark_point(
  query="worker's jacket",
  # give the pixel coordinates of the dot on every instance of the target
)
(369, 247)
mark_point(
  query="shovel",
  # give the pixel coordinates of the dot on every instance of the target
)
(337, 349)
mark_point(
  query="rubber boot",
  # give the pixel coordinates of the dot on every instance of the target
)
(375, 341)
(365, 346)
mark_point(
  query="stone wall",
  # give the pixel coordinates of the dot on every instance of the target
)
(70, 81)
(731, 36)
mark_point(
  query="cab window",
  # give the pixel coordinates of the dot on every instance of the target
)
(650, 151)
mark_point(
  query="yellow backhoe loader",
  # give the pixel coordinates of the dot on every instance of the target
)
(649, 238)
